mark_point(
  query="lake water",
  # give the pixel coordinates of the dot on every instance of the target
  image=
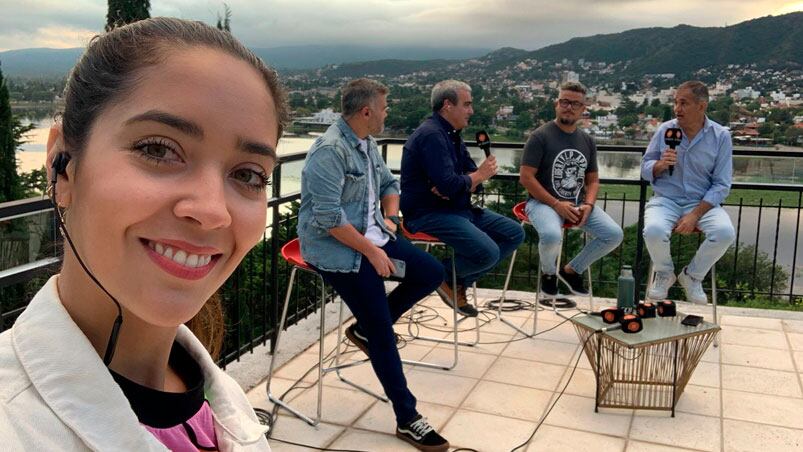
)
(612, 165)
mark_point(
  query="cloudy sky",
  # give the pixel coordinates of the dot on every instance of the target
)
(527, 24)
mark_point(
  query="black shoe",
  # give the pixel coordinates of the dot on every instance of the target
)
(422, 436)
(574, 281)
(357, 338)
(464, 308)
(549, 284)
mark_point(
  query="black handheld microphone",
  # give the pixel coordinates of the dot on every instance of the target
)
(483, 142)
(672, 138)
(60, 167)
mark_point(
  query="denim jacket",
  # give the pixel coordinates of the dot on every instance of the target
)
(334, 192)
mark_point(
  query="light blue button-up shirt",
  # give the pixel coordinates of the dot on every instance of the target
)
(704, 168)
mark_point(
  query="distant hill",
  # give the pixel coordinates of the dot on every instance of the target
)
(310, 57)
(387, 68)
(57, 62)
(767, 40)
(34, 63)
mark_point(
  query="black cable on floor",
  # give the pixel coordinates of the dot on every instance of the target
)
(543, 418)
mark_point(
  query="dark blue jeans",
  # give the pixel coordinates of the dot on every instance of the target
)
(364, 293)
(481, 239)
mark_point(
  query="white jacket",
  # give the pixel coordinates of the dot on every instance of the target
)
(56, 394)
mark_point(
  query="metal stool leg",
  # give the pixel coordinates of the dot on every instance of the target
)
(338, 366)
(509, 272)
(271, 397)
(321, 370)
(455, 340)
(499, 314)
(714, 300)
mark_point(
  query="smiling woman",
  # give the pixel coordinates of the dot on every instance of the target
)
(158, 169)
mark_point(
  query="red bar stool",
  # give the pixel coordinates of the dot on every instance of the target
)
(291, 252)
(521, 215)
(430, 241)
(651, 279)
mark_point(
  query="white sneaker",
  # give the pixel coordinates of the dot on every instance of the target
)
(660, 285)
(693, 287)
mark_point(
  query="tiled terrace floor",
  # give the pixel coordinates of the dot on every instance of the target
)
(745, 395)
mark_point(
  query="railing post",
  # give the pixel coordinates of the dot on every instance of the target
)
(642, 201)
(385, 153)
(274, 256)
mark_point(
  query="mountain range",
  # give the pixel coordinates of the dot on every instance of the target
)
(766, 41)
(57, 62)
(770, 40)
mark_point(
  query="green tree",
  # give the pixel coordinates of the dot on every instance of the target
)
(793, 135)
(224, 21)
(627, 120)
(33, 183)
(121, 12)
(9, 180)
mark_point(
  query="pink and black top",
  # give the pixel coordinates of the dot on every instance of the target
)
(181, 421)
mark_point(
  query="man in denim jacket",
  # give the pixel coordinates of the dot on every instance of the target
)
(347, 240)
(438, 178)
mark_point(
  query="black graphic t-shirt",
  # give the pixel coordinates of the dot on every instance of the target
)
(562, 159)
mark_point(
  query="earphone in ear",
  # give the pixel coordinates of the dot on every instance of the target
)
(59, 165)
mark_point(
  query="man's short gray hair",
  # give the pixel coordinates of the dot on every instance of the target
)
(360, 93)
(698, 89)
(446, 90)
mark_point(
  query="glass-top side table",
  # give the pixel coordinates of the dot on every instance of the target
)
(647, 370)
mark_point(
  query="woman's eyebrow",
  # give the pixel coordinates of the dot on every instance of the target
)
(254, 147)
(183, 125)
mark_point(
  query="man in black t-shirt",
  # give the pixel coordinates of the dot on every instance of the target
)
(559, 171)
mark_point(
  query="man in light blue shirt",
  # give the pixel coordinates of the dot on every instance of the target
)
(690, 183)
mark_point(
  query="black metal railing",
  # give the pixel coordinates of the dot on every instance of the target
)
(760, 267)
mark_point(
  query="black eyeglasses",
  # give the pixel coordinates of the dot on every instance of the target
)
(565, 103)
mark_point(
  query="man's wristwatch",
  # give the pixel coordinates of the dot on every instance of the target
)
(395, 219)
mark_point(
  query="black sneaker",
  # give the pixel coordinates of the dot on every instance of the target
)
(422, 436)
(549, 284)
(464, 308)
(574, 281)
(357, 338)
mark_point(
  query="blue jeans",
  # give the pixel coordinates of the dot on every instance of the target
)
(607, 235)
(660, 217)
(481, 239)
(364, 293)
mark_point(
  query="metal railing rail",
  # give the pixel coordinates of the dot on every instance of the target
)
(252, 294)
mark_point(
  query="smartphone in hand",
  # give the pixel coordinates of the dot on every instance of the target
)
(400, 267)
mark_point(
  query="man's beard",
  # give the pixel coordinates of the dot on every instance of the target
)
(566, 121)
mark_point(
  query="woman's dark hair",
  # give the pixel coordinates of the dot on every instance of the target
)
(110, 69)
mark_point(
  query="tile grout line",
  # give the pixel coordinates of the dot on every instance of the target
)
(629, 429)
(498, 357)
(478, 380)
(721, 395)
(792, 354)
(351, 425)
